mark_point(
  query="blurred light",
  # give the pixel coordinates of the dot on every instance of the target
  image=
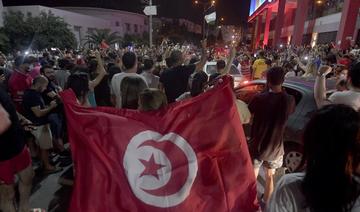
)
(246, 82)
(306, 57)
(219, 27)
(213, 2)
(27, 52)
(233, 36)
(319, 2)
(222, 19)
(281, 45)
(196, 2)
(226, 46)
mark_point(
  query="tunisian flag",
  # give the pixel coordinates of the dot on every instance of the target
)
(191, 156)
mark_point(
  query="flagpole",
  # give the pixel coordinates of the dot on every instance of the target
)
(151, 27)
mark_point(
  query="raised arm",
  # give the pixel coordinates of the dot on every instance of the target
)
(200, 65)
(320, 86)
(230, 61)
(100, 70)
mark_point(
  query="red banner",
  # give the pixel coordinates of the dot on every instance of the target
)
(191, 156)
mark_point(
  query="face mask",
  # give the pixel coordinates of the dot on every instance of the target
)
(31, 67)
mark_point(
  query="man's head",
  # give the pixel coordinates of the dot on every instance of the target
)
(354, 76)
(262, 54)
(220, 65)
(148, 64)
(2, 59)
(40, 84)
(130, 61)
(177, 57)
(275, 77)
(22, 64)
(48, 72)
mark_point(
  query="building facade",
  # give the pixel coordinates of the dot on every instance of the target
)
(85, 20)
(305, 22)
(119, 21)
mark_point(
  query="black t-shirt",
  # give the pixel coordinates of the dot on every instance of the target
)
(102, 93)
(271, 112)
(175, 81)
(33, 98)
(50, 88)
(12, 141)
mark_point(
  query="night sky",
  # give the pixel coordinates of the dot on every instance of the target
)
(235, 12)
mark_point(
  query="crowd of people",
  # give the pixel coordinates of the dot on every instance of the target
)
(33, 126)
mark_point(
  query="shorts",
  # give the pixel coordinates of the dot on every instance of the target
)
(9, 168)
(275, 164)
(43, 137)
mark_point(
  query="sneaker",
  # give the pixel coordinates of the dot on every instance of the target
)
(52, 171)
(64, 162)
(65, 154)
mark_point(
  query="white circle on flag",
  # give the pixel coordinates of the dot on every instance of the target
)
(136, 153)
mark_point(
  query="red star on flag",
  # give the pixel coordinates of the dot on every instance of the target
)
(151, 167)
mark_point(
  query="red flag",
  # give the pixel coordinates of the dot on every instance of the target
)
(104, 45)
(191, 156)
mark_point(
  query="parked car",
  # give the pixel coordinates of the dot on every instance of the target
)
(210, 68)
(303, 91)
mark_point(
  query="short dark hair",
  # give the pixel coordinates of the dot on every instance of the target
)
(19, 60)
(129, 60)
(63, 63)
(194, 60)
(262, 54)
(354, 75)
(130, 88)
(148, 64)
(275, 76)
(331, 58)
(42, 69)
(220, 64)
(40, 80)
(176, 56)
(198, 83)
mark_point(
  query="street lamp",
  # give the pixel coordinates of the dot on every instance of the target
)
(206, 5)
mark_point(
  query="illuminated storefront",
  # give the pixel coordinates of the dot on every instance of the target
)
(304, 22)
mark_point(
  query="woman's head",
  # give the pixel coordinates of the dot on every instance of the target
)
(79, 83)
(198, 82)
(152, 99)
(130, 88)
(331, 154)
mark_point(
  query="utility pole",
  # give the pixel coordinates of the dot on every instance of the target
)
(151, 27)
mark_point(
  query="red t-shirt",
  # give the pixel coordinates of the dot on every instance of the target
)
(35, 72)
(18, 83)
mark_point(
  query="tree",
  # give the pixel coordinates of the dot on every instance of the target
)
(4, 42)
(37, 32)
(135, 39)
(98, 35)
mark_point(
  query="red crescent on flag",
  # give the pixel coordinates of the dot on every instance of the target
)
(179, 164)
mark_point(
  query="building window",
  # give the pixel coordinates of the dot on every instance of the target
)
(117, 24)
(136, 30)
(128, 28)
(91, 30)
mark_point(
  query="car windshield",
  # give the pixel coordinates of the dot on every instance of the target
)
(234, 71)
(211, 69)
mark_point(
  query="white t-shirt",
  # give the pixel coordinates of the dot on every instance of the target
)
(116, 85)
(350, 98)
(288, 196)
